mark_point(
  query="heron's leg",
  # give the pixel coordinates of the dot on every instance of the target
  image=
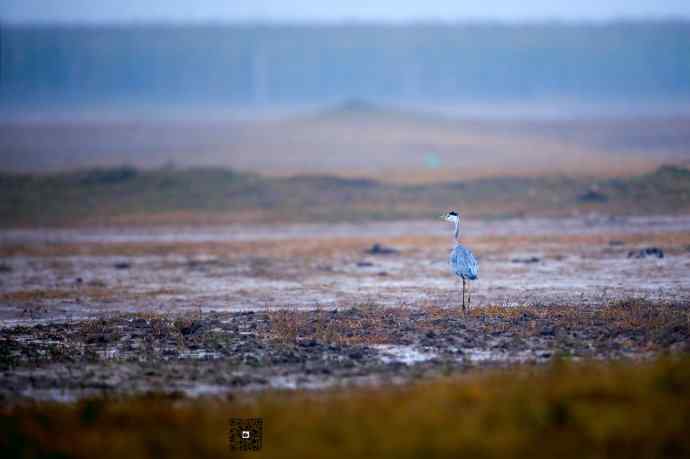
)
(463, 294)
(469, 295)
(458, 290)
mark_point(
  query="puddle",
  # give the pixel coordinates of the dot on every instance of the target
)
(108, 354)
(294, 382)
(480, 356)
(55, 395)
(200, 355)
(204, 390)
(409, 355)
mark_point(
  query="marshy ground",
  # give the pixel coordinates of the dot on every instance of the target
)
(145, 308)
(211, 310)
(73, 274)
(219, 354)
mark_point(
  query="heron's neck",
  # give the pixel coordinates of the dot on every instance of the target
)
(456, 232)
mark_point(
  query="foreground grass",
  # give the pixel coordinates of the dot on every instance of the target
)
(565, 410)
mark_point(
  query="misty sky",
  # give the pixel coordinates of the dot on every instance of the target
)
(320, 10)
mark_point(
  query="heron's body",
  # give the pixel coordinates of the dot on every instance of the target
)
(463, 264)
(461, 260)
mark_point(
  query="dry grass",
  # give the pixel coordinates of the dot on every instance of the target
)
(328, 247)
(564, 411)
(368, 327)
(94, 291)
(91, 292)
(650, 323)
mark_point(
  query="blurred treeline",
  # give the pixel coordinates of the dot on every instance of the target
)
(284, 64)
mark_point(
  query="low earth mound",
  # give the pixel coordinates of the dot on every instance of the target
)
(179, 196)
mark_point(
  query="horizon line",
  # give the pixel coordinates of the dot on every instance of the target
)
(274, 22)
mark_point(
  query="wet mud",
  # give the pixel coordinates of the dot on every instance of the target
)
(214, 310)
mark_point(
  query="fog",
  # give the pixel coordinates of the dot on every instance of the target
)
(129, 66)
(151, 84)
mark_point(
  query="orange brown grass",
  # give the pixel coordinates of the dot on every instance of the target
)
(332, 246)
(566, 410)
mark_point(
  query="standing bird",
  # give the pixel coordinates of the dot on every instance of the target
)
(462, 262)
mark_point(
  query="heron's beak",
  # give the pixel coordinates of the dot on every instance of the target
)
(444, 216)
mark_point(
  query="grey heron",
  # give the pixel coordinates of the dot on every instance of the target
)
(462, 262)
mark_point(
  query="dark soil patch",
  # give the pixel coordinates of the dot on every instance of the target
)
(250, 350)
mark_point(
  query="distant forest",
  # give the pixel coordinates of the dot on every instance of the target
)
(282, 64)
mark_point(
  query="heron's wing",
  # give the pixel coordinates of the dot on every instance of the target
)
(463, 262)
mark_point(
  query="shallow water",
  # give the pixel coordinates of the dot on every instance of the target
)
(409, 355)
(70, 286)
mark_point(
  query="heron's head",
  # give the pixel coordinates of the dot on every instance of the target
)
(451, 216)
